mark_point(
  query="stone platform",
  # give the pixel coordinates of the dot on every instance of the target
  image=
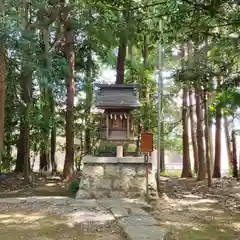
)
(113, 177)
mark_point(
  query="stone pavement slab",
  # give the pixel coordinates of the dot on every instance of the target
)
(138, 211)
(145, 233)
(137, 221)
(83, 203)
(53, 200)
(12, 200)
(119, 212)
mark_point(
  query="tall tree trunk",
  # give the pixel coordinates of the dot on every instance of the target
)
(53, 147)
(186, 169)
(2, 82)
(193, 132)
(20, 150)
(200, 135)
(46, 93)
(209, 172)
(228, 141)
(234, 155)
(218, 138)
(68, 171)
(88, 102)
(199, 114)
(210, 141)
(162, 147)
(26, 85)
(122, 51)
(121, 60)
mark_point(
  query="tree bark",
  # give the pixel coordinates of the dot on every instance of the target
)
(186, 170)
(53, 149)
(210, 141)
(23, 148)
(26, 96)
(162, 148)
(121, 60)
(2, 83)
(88, 103)
(234, 155)
(122, 51)
(218, 138)
(193, 132)
(20, 150)
(200, 135)
(209, 172)
(68, 171)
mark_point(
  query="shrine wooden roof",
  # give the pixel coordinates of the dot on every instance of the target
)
(117, 96)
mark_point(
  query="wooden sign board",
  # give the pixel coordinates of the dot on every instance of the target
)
(146, 142)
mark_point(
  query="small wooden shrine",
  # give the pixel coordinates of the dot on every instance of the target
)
(118, 101)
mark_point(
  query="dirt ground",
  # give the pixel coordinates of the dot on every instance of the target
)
(188, 209)
(43, 221)
(12, 185)
(32, 223)
(191, 211)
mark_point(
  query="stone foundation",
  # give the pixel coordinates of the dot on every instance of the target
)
(113, 178)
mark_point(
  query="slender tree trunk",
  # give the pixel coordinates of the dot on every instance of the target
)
(88, 103)
(209, 172)
(20, 150)
(68, 171)
(210, 141)
(138, 138)
(26, 96)
(186, 169)
(228, 141)
(44, 160)
(218, 138)
(23, 148)
(200, 135)
(53, 149)
(234, 155)
(2, 82)
(162, 148)
(46, 94)
(193, 132)
(199, 114)
(121, 60)
(122, 51)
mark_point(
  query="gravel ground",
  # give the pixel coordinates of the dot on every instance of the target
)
(44, 221)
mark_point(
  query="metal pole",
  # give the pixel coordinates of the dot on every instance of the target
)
(160, 92)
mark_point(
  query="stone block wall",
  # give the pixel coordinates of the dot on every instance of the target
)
(113, 180)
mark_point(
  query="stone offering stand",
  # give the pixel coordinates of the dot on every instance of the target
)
(121, 175)
(113, 177)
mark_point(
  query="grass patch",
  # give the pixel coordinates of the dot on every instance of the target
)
(171, 173)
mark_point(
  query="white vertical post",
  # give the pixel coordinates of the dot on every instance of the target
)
(160, 92)
(107, 125)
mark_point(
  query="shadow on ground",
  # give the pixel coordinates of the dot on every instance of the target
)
(192, 214)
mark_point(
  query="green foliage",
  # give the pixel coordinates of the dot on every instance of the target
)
(106, 148)
(73, 187)
(98, 25)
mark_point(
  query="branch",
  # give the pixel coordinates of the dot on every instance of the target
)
(58, 38)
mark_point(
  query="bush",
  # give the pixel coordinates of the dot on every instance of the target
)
(106, 148)
(73, 187)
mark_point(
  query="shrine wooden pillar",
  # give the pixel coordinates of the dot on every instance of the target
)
(128, 126)
(107, 125)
